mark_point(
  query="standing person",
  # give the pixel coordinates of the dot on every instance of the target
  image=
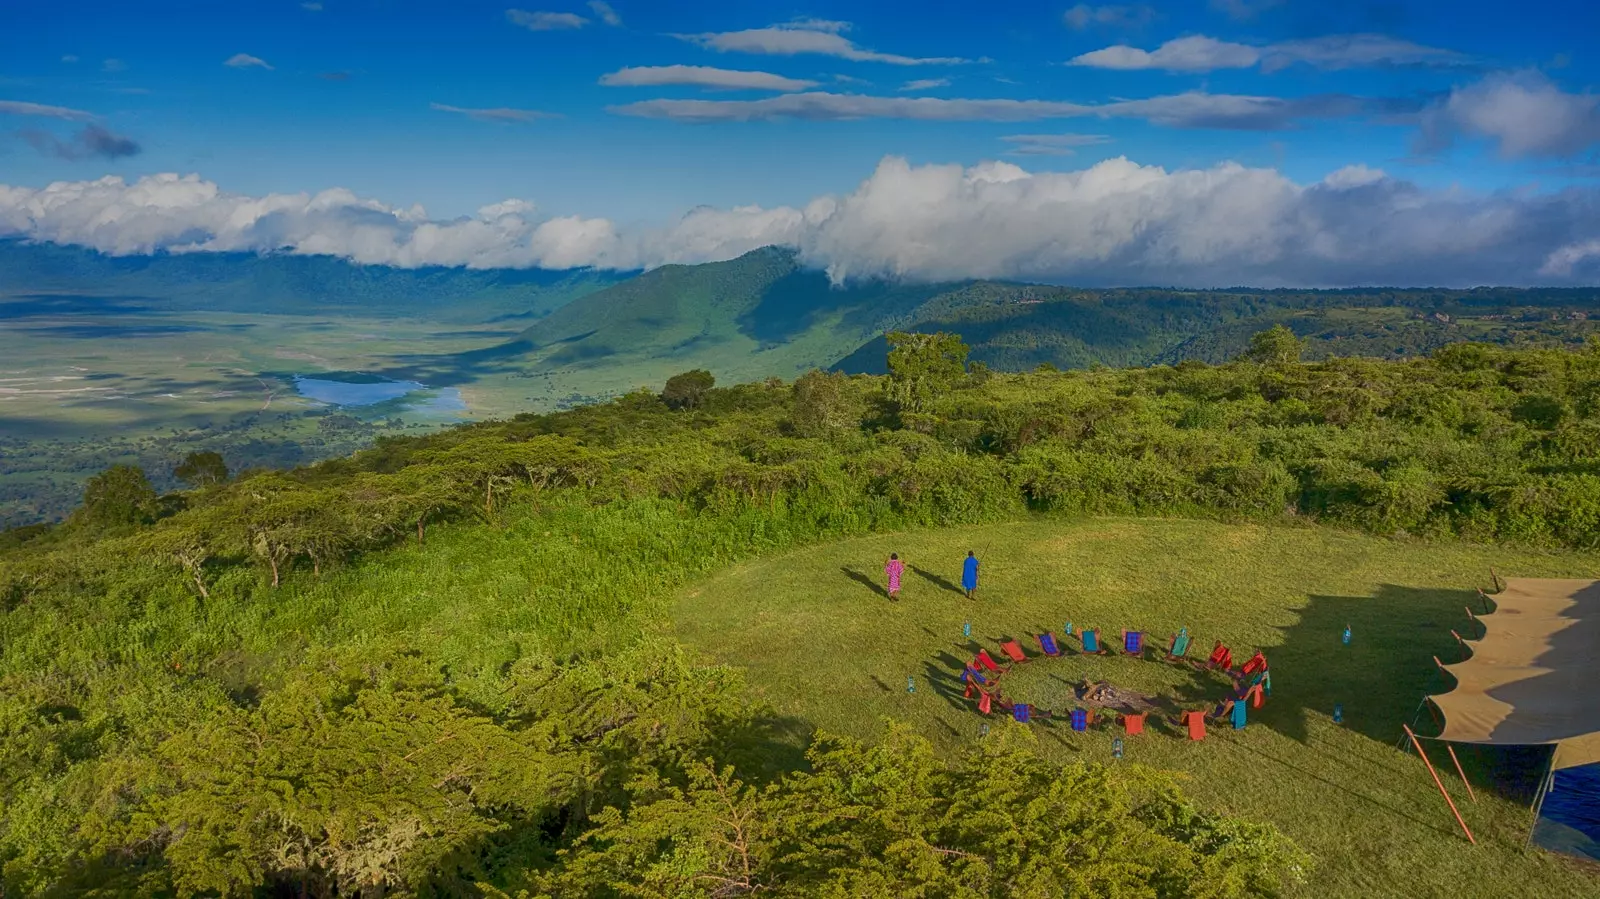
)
(894, 569)
(969, 573)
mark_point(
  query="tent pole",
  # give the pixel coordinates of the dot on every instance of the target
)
(1544, 790)
(1440, 784)
(1452, 750)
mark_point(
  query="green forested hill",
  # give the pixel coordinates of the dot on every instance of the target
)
(761, 315)
(35, 276)
(1017, 327)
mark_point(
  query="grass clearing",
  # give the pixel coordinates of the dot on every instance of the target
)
(822, 643)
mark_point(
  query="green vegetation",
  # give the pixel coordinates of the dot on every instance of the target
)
(822, 645)
(436, 663)
(143, 360)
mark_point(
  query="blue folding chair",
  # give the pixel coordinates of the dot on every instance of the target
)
(1133, 642)
(1021, 712)
(1080, 720)
(1047, 642)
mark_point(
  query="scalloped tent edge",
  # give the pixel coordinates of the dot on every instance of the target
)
(1534, 677)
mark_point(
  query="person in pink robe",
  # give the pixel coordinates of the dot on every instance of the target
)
(894, 569)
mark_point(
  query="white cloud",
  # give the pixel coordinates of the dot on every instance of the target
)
(245, 61)
(1199, 53)
(1357, 175)
(496, 114)
(924, 84)
(1185, 54)
(1112, 223)
(20, 107)
(1082, 16)
(606, 14)
(1563, 261)
(69, 58)
(545, 21)
(806, 36)
(311, 7)
(1525, 113)
(702, 76)
(113, 66)
(1051, 144)
(1194, 109)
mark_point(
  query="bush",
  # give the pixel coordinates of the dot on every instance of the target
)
(688, 390)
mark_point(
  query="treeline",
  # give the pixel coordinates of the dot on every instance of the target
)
(184, 710)
(1475, 441)
(1018, 327)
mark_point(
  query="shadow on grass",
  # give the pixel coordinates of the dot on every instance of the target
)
(937, 581)
(864, 580)
(1382, 676)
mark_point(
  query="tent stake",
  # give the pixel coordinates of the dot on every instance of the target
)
(1440, 784)
(1452, 750)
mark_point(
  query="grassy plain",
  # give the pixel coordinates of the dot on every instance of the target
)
(821, 642)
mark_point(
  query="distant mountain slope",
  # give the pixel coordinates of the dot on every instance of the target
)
(1017, 327)
(756, 316)
(287, 284)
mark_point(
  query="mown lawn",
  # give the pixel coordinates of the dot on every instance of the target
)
(822, 643)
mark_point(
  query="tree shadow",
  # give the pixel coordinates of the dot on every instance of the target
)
(864, 580)
(1381, 677)
(937, 581)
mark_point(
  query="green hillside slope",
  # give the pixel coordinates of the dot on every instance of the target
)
(74, 278)
(1015, 327)
(760, 315)
(452, 659)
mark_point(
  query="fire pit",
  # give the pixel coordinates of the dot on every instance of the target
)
(1106, 695)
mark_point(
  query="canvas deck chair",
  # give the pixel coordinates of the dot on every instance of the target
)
(1091, 641)
(1134, 724)
(1047, 643)
(1133, 642)
(985, 703)
(1081, 719)
(1254, 695)
(1237, 714)
(1221, 657)
(1257, 663)
(1022, 712)
(1013, 651)
(1178, 646)
(986, 662)
(1195, 721)
(975, 677)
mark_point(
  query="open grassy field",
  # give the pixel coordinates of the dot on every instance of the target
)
(821, 642)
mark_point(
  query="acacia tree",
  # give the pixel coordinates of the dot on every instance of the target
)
(825, 404)
(921, 366)
(1275, 346)
(688, 390)
(119, 496)
(894, 820)
(200, 469)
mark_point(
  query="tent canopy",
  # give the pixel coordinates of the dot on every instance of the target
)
(1535, 676)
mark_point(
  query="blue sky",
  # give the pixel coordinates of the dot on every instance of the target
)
(573, 106)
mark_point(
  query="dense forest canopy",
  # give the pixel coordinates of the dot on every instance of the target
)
(255, 683)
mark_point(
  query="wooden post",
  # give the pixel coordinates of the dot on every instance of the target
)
(1452, 750)
(1538, 799)
(1440, 784)
(1496, 578)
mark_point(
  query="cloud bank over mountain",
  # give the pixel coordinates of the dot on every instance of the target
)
(1116, 222)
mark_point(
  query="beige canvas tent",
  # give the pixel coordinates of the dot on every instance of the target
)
(1534, 677)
